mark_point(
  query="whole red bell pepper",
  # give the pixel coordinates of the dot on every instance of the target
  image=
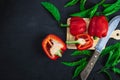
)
(77, 26)
(53, 46)
(98, 26)
(82, 41)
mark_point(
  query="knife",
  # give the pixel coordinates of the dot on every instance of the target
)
(99, 47)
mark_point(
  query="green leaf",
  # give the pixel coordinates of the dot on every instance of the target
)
(92, 12)
(106, 5)
(79, 69)
(52, 9)
(118, 62)
(116, 57)
(71, 3)
(116, 70)
(109, 58)
(113, 11)
(82, 5)
(84, 52)
(106, 50)
(74, 63)
(111, 7)
(95, 8)
(109, 48)
(83, 14)
(101, 2)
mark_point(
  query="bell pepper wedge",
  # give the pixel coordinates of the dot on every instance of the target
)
(88, 41)
(77, 25)
(98, 26)
(53, 46)
(82, 41)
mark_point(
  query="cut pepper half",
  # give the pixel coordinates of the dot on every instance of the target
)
(53, 46)
(88, 41)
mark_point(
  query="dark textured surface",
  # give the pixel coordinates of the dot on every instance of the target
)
(23, 25)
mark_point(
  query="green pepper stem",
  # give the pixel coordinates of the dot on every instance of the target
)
(58, 53)
(95, 37)
(72, 42)
(64, 25)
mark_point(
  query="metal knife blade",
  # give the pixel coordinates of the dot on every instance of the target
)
(112, 26)
(98, 48)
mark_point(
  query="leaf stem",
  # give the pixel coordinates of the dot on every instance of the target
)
(100, 3)
(95, 37)
(64, 25)
(109, 58)
(72, 42)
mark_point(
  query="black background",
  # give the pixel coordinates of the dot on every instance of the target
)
(23, 25)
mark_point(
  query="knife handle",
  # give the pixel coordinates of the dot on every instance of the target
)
(85, 73)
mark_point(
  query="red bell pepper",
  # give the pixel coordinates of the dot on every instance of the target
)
(82, 41)
(77, 26)
(98, 26)
(53, 46)
(88, 41)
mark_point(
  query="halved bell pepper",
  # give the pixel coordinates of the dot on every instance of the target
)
(53, 46)
(88, 41)
(82, 41)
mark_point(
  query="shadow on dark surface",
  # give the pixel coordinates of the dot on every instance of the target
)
(38, 45)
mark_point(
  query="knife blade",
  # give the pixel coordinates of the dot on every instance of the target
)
(99, 47)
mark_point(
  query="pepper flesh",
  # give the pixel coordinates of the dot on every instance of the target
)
(77, 26)
(98, 26)
(52, 44)
(88, 41)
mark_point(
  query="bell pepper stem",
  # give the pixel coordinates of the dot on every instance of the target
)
(72, 42)
(58, 53)
(95, 37)
(64, 25)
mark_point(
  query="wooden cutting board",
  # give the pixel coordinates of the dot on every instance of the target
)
(115, 35)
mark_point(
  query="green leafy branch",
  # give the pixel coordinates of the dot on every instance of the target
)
(109, 9)
(111, 64)
(87, 13)
(112, 61)
(73, 2)
(80, 64)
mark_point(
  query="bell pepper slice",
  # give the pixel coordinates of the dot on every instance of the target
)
(88, 41)
(53, 46)
(82, 41)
